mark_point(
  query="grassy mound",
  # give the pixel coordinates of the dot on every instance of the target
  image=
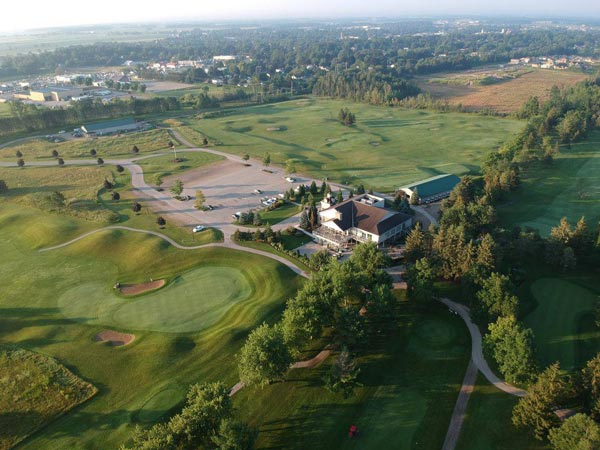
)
(34, 390)
(563, 322)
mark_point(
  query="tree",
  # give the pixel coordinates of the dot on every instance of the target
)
(136, 207)
(93, 152)
(536, 409)
(60, 161)
(116, 196)
(100, 161)
(3, 186)
(161, 222)
(578, 432)
(200, 199)
(304, 221)
(414, 198)
(266, 159)
(205, 142)
(343, 376)
(314, 190)
(346, 117)
(108, 185)
(290, 166)
(19, 154)
(120, 168)
(20, 162)
(511, 346)
(54, 154)
(158, 181)
(486, 252)
(591, 386)
(323, 188)
(495, 298)
(235, 435)
(177, 188)
(246, 157)
(339, 197)
(419, 280)
(265, 357)
(415, 246)
(135, 149)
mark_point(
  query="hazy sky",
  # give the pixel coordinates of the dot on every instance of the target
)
(47, 13)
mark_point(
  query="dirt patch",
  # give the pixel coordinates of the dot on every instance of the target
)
(136, 289)
(115, 338)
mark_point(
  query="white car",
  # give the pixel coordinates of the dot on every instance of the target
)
(290, 180)
(198, 228)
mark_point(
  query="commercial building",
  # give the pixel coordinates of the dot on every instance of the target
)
(360, 219)
(111, 127)
(52, 94)
(432, 189)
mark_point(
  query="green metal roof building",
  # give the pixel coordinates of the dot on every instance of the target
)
(432, 189)
(111, 126)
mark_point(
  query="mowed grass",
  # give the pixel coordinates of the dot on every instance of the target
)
(86, 199)
(106, 147)
(563, 322)
(34, 390)
(166, 165)
(569, 188)
(411, 378)
(280, 214)
(488, 424)
(193, 301)
(130, 379)
(387, 147)
(506, 96)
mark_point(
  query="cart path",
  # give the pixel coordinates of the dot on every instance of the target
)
(230, 245)
(460, 408)
(307, 364)
(477, 350)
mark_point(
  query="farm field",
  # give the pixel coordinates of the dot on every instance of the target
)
(142, 381)
(488, 422)
(504, 96)
(109, 146)
(411, 379)
(569, 188)
(385, 149)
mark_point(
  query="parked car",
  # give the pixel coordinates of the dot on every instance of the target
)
(210, 207)
(198, 228)
(237, 215)
(257, 191)
(290, 180)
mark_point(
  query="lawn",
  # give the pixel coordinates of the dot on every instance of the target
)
(143, 381)
(563, 322)
(34, 390)
(166, 165)
(411, 378)
(569, 188)
(280, 214)
(84, 198)
(106, 147)
(386, 148)
(488, 423)
(5, 110)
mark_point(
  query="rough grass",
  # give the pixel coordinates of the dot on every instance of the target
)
(506, 96)
(412, 145)
(129, 377)
(166, 165)
(34, 391)
(569, 188)
(563, 322)
(109, 146)
(488, 422)
(411, 378)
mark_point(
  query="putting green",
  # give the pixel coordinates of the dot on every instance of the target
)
(563, 322)
(193, 301)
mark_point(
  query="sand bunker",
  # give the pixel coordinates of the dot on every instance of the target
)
(136, 289)
(115, 338)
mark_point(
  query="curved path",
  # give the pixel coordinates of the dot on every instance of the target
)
(230, 245)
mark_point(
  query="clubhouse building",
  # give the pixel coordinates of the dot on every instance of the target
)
(360, 219)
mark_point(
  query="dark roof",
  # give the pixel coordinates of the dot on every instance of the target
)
(110, 124)
(368, 218)
(435, 185)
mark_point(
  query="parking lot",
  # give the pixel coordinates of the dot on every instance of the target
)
(229, 186)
